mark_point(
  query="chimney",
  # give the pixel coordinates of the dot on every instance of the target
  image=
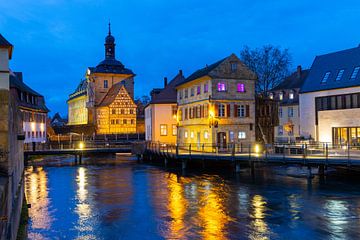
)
(298, 71)
(180, 72)
(165, 81)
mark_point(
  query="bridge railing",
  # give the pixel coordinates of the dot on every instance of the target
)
(324, 151)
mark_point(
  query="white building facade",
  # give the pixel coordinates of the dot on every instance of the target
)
(330, 99)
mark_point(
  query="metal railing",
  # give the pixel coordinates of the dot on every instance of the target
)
(325, 151)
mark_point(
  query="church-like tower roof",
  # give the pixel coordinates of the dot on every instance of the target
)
(110, 64)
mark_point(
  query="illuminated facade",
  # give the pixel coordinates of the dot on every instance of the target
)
(117, 112)
(86, 104)
(32, 107)
(161, 113)
(330, 99)
(287, 95)
(216, 105)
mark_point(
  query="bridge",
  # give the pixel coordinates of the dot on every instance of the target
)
(78, 153)
(310, 155)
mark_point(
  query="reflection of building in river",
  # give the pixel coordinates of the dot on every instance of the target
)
(212, 213)
(36, 191)
(259, 227)
(115, 192)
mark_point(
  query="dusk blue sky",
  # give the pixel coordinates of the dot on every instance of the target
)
(56, 40)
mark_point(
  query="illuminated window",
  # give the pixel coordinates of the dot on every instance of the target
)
(241, 135)
(186, 134)
(117, 121)
(112, 121)
(125, 121)
(221, 110)
(191, 134)
(271, 96)
(163, 130)
(198, 90)
(231, 135)
(355, 73)
(281, 96)
(132, 121)
(291, 95)
(122, 111)
(241, 87)
(221, 87)
(206, 88)
(206, 135)
(340, 74)
(113, 111)
(131, 111)
(174, 130)
(326, 77)
(105, 83)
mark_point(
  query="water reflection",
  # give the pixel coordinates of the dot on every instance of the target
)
(338, 217)
(124, 200)
(177, 206)
(36, 191)
(258, 225)
(212, 213)
(83, 208)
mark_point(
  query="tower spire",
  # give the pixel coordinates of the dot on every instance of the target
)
(109, 28)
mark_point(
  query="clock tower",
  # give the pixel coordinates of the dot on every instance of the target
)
(109, 46)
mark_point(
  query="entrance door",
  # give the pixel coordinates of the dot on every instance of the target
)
(221, 139)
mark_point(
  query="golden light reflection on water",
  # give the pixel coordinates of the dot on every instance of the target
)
(258, 225)
(212, 213)
(83, 208)
(177, 207)
(36, 191)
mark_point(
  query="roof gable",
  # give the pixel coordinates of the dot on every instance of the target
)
(222, 69)
(117, 91)
(345, 60)
(295, 80)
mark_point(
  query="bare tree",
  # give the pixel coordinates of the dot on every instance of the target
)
(271, 64)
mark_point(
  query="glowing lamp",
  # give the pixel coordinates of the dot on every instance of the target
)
(33, 126)
(257, 148)
(81, 145)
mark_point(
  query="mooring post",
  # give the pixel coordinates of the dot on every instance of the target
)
(80, 158)
(76, 158)
(177, 150)
(321, 170)
(309, 171)
(237, 166)
(183, 164)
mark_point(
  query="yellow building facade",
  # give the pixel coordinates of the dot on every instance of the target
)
(216, 106)
(86, 106)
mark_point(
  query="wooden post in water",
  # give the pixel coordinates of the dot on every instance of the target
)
(309, 172)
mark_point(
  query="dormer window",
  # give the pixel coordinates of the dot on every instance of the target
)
(326, 77)
(355, 73)
(291, 95)
(340, 74)
(281, 96)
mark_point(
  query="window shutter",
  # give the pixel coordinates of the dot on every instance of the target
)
(201, 111)
(228, 110)
(216, 110)
(247, 111)
(235, 111)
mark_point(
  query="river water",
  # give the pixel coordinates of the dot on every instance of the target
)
(117, 198)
